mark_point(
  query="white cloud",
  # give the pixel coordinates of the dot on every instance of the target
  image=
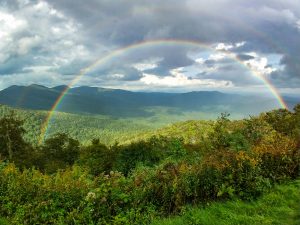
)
(25, 44)
(199, 60)
(10, 24)
(223, 46)
(144, 66)
(226, 47)
(259, 64)
(9, 27)
(36, 33)
(38, 69)
(178, 79)
(117, 76)
(240, 44)
(298, 24)
(217, 56)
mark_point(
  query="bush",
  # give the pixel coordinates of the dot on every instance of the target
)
(280, 157)
(58, 152)
(97, 158)
(147, 153)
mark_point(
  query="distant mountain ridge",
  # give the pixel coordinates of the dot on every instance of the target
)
(122, 103)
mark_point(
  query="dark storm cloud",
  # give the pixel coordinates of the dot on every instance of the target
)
(172, 58)
(15, 65)
(287, 38)
(72, 68)
(220, 62)
(243, 57)
(128, 74)
(210, 62)
(289, 76)
(120, 73)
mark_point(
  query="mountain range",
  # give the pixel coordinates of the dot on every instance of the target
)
(122, 103)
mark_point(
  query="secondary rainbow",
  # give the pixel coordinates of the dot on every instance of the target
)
(144, 44)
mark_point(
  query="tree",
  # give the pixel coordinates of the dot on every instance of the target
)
(256, 128)
(219, 136)
(12, 143)
(97, 157)
(281, 120)
(296, 117)
(148, 152)
(60, 151)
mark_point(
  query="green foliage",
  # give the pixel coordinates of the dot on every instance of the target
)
(225, 136)
(58, 152)
(98, 158)
(13, 147)
(147, 153)
(29, 197)
(11, 136)
(192, 131)
(255, 129)
(296, 117)
(281, 120)
(156, 176)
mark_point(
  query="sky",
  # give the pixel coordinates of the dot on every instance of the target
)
(228, 45)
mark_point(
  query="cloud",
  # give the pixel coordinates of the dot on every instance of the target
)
(37, 33)
(64, 37)
(245, 57)
(178, 78)
(288, 76)
(172, 57)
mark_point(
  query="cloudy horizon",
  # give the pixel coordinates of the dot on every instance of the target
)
(224, 45)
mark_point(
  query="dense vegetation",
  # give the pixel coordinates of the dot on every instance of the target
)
(64, 182)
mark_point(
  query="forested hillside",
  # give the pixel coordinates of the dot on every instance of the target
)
(81, 127)
(127, 104)
(155, 175)
(108, 129)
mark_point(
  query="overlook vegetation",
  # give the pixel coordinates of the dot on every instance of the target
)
(149, 176)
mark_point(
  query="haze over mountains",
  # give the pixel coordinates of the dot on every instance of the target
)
(121, 103)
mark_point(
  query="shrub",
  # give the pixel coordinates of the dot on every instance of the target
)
(280, 157)
(97, 158)
(147, 153)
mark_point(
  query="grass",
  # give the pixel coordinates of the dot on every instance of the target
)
(279, 207)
